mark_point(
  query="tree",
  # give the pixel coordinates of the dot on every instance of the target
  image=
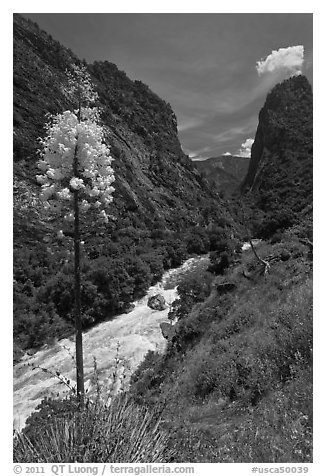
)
(243, 219)
(77, 175)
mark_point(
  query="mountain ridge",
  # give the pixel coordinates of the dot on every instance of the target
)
(224, 173)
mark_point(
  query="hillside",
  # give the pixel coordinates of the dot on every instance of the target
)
(236, 380)
(281, 166)
(233, 386)
(161, 206)
(224, 173)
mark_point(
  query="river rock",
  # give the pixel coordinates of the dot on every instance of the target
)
(129, 307)
(168, 330)
(157, 302)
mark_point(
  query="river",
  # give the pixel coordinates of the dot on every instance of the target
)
(128, 338)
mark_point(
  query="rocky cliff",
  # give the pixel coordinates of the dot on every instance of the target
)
(280, 169)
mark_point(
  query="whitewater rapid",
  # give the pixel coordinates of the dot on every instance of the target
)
(119, 344)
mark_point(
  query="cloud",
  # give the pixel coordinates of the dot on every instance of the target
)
(188, 124)
(227, 153)
(287, 61)
(229, 134)
(198, 154)
(245, 149)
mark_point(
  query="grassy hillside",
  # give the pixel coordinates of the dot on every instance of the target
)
(237, 378)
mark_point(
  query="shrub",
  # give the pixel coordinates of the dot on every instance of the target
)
(175, 255)
(219, 262)
(197, 241)
(146, 380)
(193, 289)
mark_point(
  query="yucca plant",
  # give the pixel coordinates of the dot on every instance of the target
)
(121, 432)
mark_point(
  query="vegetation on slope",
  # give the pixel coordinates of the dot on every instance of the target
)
(237, 377)
(235, 384)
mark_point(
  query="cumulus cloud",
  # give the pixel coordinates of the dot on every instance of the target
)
(245, 149)
(285, 61)
(227, 153)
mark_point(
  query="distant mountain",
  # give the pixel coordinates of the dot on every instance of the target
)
(224, 173)
(280, 174)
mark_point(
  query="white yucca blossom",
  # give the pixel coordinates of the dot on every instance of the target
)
(76, 183)
(69, 138)
(85, 205)
(104, 216)
(64, 194)
(41, 179)
(93, 192)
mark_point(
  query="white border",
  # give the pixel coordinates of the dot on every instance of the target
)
(276, 6)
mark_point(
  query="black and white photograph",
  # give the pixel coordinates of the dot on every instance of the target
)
(162, 241)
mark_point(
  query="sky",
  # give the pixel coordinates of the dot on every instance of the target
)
(215, 69)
